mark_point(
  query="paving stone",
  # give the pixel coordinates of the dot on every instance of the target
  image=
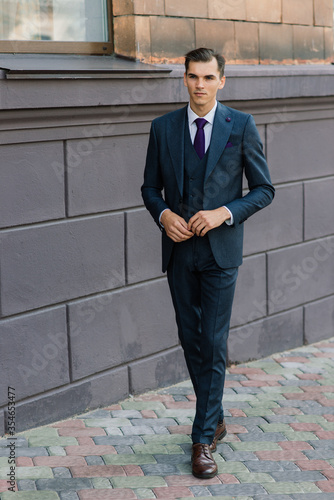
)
(287, 488)
(101, 483)
(139, 459)
(31, 495)
(57, 451)
(94, 460)
(68, 495)
(25, 452)
(136, 430)
(63, 484)
(115, 431)
(254, 446)
(118, 440)
(254, 477)
(159, 469)
(263, 466)
(237, 489)
(313, 496)
(154, 422)
(200, 491)
(26, 485)
(138, 482)
(128, 414)
(61, 472)
(281, 419)
(108, 422)
(264, 436)
(19, 441)
(296, 476)
(172, 459)
(144, 493)
(28, 472)
(96, 414)
(123, 449)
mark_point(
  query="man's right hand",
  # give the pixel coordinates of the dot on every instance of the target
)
(175, 226)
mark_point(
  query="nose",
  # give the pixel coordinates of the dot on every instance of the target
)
(200, 83)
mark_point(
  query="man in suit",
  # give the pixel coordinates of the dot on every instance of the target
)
(197, 156)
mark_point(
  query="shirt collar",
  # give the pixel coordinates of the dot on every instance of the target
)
(209, 117)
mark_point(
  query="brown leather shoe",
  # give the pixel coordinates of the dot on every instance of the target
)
(219, 434)
(203, 464)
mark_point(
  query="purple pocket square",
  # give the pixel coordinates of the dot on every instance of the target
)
(229, 145)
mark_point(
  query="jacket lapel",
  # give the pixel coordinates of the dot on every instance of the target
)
(175, 142)
(222, 127)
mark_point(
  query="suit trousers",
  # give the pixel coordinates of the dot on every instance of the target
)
(202, 294)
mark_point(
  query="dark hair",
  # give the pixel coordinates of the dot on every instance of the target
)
(205, 55)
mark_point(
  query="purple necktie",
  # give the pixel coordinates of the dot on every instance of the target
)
(199, 142)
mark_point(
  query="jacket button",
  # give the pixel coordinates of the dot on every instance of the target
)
(180, 200)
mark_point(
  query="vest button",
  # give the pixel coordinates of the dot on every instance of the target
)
(180, 200)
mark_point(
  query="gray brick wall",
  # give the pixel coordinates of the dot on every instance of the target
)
(86, 316)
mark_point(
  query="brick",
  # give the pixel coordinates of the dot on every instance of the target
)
(28, 472)
(70, 431)
(148, 414)
(106, 494)
(31, 495)
(314, 465)
(4, 485)
(125, 311)
(161, 369)
(325, 434)
(217, 34)
(316, 314)
(76, 422)
(54, 461)
(24, 462)
(189, 480)
(328, 33)
(298, 12)
(124, 37)
(121, 7)
(85, 440)
(231, 490)
(32, 189)
(143, 260)
(152, 7)
(265, 337)
(326, 486)
(138, 482)
(247, 43)
(288, 488)
(308, 42)
(290, 269)
(252, 274)
(295, 476)
(54, 273)
(165, 48)
(315, 190)
(44, 364)
(173, 492)
(133, 470)
(280, 455)
(323, 12)
(82, 451)
(220, 9)
(130, 459)
(36, 441)
(187, 9)
(257, 10)
(97, 471)
(106, 177)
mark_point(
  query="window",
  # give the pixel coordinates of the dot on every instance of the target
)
(55, 26)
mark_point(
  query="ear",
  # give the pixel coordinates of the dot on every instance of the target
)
(185, 79)
(222, 82)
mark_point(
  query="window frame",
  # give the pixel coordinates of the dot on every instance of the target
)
(58, 47)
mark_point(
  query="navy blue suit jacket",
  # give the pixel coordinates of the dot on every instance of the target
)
(235, 149)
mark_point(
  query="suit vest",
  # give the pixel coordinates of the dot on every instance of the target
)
(194, 174)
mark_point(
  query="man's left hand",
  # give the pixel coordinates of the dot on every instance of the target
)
(205, 220)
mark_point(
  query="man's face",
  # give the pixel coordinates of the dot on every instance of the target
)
(203, 81)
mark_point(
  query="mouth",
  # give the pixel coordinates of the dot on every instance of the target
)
(200, 94)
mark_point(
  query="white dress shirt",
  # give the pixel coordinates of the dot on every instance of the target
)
(209, 117)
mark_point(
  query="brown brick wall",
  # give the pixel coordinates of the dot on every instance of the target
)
(245, 31)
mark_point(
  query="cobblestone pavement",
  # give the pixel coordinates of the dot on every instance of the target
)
(279, 446)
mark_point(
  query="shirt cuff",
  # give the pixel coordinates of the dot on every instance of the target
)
(160, 217)
(230, 221)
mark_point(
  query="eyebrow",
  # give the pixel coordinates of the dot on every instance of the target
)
(205, 76)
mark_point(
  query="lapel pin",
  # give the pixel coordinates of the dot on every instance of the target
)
(228, 119)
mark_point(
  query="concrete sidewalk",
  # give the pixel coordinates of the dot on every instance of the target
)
(280, 441)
